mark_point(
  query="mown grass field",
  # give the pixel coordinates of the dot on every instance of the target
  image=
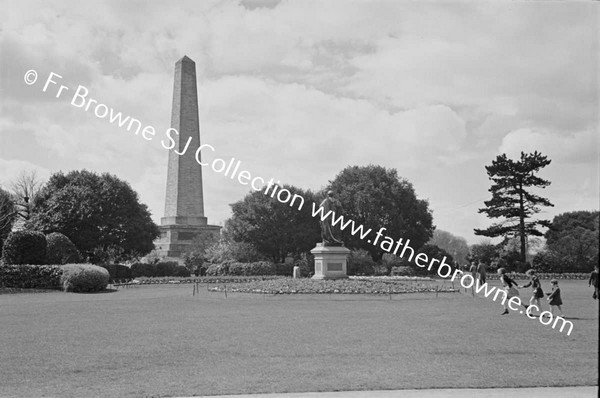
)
(162, 341)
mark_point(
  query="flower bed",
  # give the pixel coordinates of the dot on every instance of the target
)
(203, 279)
(337, 286)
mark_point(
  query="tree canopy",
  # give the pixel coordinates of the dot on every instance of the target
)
(99, 213)
(376, 197)
(512, 199)
(275, 229)
(572, 241)
(455, 245)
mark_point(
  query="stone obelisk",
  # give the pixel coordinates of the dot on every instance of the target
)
(184, 222)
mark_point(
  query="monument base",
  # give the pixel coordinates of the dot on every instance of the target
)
(330, 261)
(175, 239)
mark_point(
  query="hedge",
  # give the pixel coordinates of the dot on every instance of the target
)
(24, 247)
(117, 272)
(542, 275)
(169, 268)
(242, 269)
(83, 278)
(60, 249)
(27, 276)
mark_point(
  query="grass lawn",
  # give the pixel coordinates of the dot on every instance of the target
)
(162, 341)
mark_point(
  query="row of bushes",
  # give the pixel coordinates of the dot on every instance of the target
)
(69, 277)
(543, 275)
(259, 268)
(166, 268)
(35, 248)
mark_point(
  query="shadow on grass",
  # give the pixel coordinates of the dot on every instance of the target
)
(107, 290)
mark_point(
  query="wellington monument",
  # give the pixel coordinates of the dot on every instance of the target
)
(184, 222)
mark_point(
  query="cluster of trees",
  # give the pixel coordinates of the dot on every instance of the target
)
(572, 242)
(571, 239)
(99, 213)
(103, 217)
(371, 196)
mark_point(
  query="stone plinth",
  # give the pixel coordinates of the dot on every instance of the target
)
(330, 261)
(175, 239)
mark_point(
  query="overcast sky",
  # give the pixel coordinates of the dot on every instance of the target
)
(298, 90)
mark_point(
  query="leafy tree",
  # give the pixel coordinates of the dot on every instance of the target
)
(101, 214)
(7, 215)
(573, 240)
(547, 261)
(433, 251)
(455, 245)
(512, 200)
(275, 229)
(229, 250)
(376, 197)
(485, 252)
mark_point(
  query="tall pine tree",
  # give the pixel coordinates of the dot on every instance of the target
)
(512, 200)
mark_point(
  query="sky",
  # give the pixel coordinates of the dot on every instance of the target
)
(299, 90)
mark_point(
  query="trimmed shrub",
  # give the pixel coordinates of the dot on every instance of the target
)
(284, 269)
(143, 269)
(24, 247)
(60, 249)
(307, 265)
(237, 269)
(83, 278)
(361, 263)
(218, 269)
(166, 268)
(402, 270)
(182, 271)
(117, 271)
(26, 276)
(260, 268)
(193, 260)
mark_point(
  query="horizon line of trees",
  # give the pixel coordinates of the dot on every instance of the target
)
(103, 217)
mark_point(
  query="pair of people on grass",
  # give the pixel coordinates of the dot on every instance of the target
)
(478, 271)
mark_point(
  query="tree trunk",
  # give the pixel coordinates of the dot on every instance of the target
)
(522, 225)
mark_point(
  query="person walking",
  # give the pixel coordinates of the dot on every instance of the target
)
(594, 281)
(554, 298)
(536, 285)
(481, 270)
(509, 287)
(473, 270)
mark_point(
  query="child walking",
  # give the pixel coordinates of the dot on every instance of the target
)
(554, 298)
(537, 293)
(509, 286)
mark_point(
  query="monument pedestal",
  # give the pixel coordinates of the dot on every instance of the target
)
(176, 239)
(330, 261)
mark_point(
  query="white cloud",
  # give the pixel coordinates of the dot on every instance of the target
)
(579, 147)
(299, 90)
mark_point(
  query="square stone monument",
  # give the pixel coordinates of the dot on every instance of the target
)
(330, 261)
